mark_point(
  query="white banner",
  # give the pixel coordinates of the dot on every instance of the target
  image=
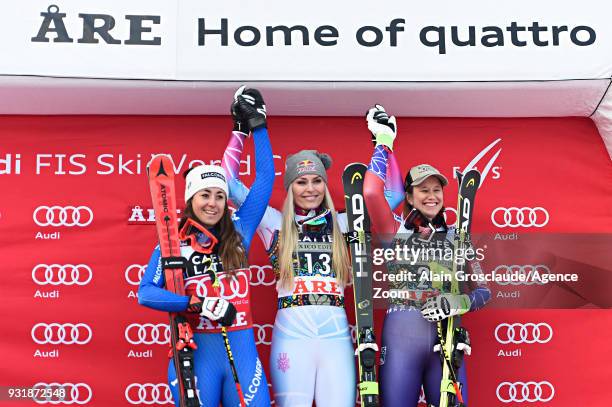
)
(317, 40)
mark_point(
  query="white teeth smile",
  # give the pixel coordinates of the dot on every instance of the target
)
(431, 204)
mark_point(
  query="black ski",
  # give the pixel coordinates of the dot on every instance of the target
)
(454, 340)
(360, 244)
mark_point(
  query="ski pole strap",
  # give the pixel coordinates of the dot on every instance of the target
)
(367, 388)
(174, 262)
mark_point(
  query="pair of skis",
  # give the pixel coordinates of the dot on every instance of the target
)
(163, 194)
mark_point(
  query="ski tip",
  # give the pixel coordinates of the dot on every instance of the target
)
(353, 164)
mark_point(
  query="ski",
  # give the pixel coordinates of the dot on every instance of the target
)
(454, 340)
(182, 346)
(360, 246)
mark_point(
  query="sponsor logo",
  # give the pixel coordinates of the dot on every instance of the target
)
(523, 333)
(236, 287)
(521, 392)
(526, 270)
(58, 274)
(148, 393)
(262, 275)
(147, 334)
(63, 216)
(75, 393)
(64, 334)
(514, 217)
(263, 334)
(306, 166)
(134, 273)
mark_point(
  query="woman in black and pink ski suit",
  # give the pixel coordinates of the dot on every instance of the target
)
(409, 333)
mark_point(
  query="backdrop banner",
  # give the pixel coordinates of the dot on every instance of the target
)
(77, 230)
(314, 41)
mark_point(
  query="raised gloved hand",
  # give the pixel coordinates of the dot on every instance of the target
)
(250, 108)
(240, 124)
(214, 308)
(445, 305)
(382, 127)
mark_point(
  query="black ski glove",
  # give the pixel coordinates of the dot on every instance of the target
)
(240, 123)
(250, 107)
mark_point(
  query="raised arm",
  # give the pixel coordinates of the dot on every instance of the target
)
(394, 187)
(249, 112)
(383, 129)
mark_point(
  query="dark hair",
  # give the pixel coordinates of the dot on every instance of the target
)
(231, 250)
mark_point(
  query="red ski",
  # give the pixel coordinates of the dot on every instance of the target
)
(161, 183)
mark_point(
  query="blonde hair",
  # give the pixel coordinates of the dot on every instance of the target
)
(289, 240)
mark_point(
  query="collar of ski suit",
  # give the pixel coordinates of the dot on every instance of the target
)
(418, 223)
(313, 219)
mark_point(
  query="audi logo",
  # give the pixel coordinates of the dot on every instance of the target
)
(262, 275)
(148, 393)
(523, 333)
(134, 273)
(65, 334)
(526, 270)
(263, 334)
(147, 334)
(514, 217)
(238, 287)
(66, 274)
(520, 392)
(63, 216)
(76, 393)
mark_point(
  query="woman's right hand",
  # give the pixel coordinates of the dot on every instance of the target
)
(214, 308)
(382, 126)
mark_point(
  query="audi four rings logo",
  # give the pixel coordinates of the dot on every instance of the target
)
(526, 270)
(66, 274)
(134, 273)
(521, 392)
(76, 393)
(238, 286)
(514, 217)
(523, 333)
(263, 334)
(262, 275)
(148, 393)
(63, 216)
(148, 334)
(65, 334)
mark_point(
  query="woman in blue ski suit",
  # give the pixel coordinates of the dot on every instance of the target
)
(215, 244)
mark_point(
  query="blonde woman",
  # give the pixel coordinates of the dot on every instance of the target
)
(312, 352)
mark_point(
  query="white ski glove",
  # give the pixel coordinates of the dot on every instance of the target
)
(218, 309)
(445, 305)
(382, 127)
